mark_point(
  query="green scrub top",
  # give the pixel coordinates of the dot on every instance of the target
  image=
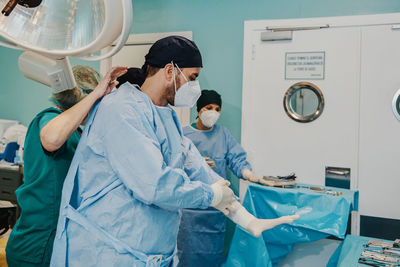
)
(31, 240)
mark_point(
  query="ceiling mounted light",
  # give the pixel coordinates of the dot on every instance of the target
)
(60, 28)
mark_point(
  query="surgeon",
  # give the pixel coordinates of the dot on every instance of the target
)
(134, 171)
(205, 247)
(50, 144)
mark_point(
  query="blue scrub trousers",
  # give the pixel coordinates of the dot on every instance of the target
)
(201, 238)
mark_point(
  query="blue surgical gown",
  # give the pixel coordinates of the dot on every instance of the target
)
(201, 233)
(131, 174)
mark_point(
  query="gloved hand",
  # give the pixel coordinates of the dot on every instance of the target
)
(210, 162)
(223, 196)
(249, 175)
(266, 182)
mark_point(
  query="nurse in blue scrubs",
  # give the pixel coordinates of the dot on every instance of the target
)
(201, 234)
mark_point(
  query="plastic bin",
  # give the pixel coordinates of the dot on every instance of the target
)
(9, 152)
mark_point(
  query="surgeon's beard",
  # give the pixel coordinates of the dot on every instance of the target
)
(170, 91)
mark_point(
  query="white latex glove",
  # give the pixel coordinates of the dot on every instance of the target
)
(249, 175)
(223, 196)
(210, 162)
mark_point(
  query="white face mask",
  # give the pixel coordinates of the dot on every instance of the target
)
(209, 117)
(188, 93)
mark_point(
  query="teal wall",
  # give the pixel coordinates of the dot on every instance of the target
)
(217, 27)
(20, 98)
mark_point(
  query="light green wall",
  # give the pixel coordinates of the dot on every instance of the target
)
(20, 98)
(217, 27)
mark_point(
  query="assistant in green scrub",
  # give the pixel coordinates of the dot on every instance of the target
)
(50, 144)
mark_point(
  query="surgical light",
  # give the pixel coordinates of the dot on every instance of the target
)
(52, 30)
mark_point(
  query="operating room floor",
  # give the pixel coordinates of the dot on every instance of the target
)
(311, 254)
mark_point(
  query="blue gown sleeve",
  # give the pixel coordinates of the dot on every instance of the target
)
(236, 156)
(136, 158)
(195, 165)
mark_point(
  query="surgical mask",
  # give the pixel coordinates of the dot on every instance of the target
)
(188, 93)
(209, 117)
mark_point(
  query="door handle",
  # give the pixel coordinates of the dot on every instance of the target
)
(338, 172)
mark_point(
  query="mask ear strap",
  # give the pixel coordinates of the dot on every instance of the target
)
(181, 72)
(173, 72)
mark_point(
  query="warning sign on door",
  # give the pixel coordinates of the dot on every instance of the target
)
(305, 66)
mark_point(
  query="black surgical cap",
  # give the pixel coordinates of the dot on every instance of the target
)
(176, 49)
(208, 97)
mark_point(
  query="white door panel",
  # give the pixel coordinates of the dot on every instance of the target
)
(357, 128)
(131, 55)
(380, 130)
(279, 145)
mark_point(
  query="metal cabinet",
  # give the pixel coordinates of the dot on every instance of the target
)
(10, 180)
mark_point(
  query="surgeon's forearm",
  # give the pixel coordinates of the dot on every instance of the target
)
(59, 129)
(55, 133)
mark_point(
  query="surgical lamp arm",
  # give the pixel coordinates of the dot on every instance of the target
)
(9, 7)
(9, 44)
